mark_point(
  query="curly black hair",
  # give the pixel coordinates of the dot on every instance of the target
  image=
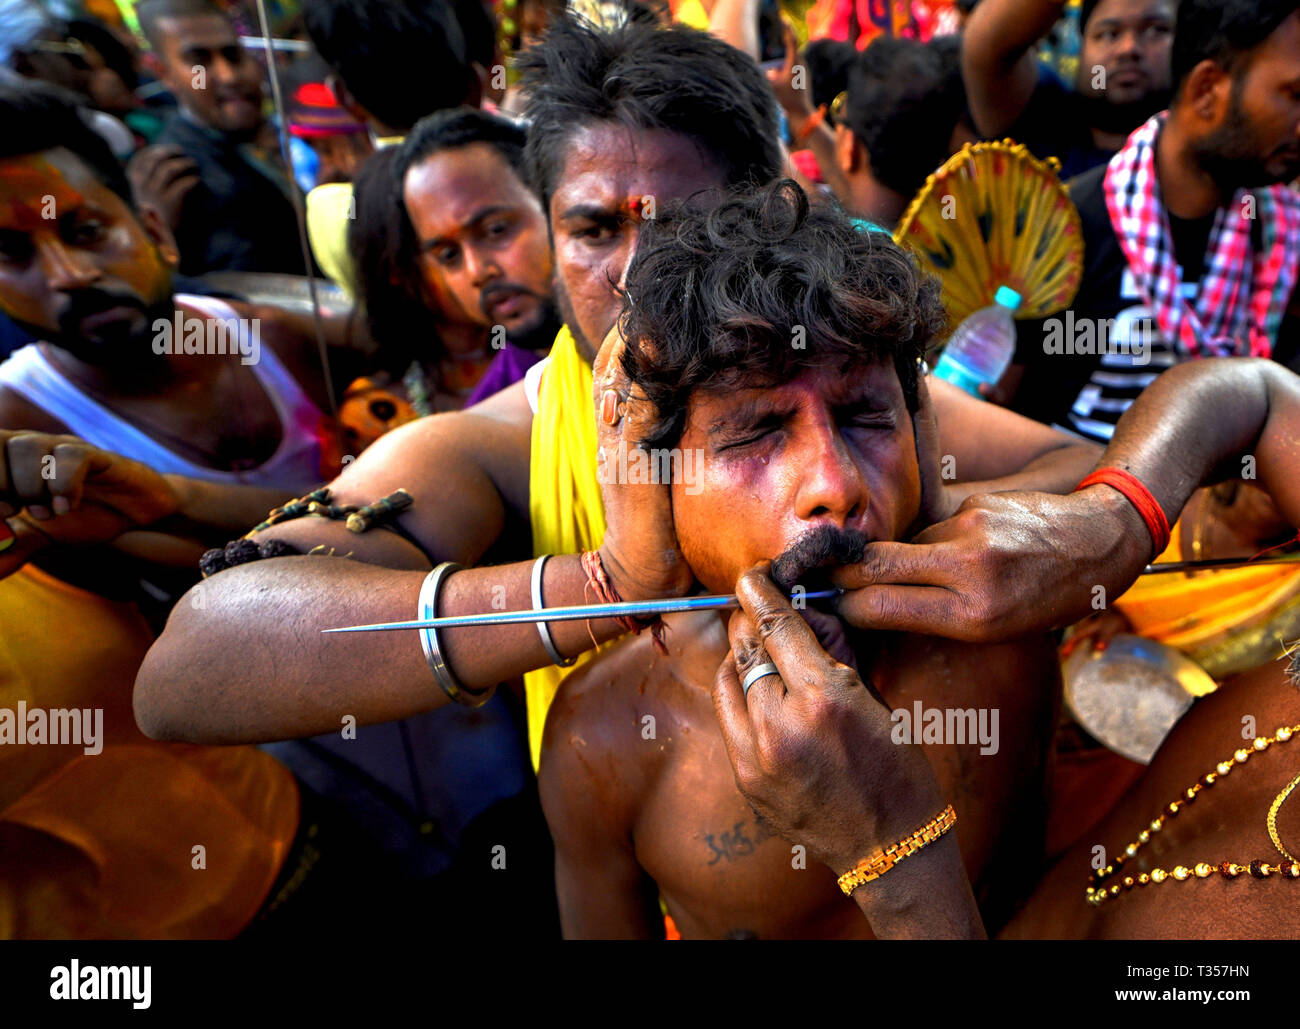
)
(714, 299)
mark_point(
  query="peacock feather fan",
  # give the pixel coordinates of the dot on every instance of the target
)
(994, 215)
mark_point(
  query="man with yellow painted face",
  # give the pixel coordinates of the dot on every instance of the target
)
(80, 270)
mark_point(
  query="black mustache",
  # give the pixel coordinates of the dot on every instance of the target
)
(90, 301)
(823, 547)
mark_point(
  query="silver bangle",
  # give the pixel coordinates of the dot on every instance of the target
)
(543, 629)
(426, 610)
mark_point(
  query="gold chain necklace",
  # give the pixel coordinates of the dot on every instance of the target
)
(1290, 869)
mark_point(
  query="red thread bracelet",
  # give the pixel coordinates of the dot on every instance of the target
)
(598, 580)
(810, 125)
(1140, 497)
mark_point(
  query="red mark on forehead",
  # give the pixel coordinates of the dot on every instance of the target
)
(35, 193)
(634, 208)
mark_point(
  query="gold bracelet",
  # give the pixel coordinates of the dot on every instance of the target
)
(878, 864)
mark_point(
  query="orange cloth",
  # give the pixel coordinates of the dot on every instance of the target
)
(1191, 610)
(102, 845)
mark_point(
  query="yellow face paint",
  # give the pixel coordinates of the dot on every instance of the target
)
(34, 190)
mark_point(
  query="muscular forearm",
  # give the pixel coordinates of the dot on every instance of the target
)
(208, 514)
(925, 896)
(1199, 422)
(243, 658)
(988, 449)
(998, 62)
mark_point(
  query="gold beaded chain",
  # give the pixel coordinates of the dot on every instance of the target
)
(1278, 801)
(1097, 894)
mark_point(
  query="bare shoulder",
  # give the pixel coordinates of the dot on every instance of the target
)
(509, 406)
(611, 725)
(597, 715)
(17, 412)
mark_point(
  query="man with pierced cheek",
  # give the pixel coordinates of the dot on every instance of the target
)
(780, 347)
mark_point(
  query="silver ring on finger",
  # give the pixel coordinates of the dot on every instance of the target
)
(757, 672)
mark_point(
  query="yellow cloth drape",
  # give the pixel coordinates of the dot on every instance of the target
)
(564, 503)
(329, 209)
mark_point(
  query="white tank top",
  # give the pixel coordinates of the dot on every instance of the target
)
(533, 382)
(295, 465)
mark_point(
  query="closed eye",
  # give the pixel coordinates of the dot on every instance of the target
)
(869, 415)
(747, 435)
(86, 232)
(15, 247)
(596, 231)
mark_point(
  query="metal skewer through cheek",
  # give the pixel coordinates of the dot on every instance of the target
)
(718, 602)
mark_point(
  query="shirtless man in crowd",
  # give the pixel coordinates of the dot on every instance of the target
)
(804, 453)
(601, 141)
(811, 750)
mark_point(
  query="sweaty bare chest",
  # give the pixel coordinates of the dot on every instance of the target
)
(721, 870)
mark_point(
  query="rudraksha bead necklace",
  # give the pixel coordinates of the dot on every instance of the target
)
(1288, 869)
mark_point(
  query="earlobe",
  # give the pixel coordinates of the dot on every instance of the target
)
(846, 145)
(160, 235)
(1206, 90)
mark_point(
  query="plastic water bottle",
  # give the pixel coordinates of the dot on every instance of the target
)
(983, 345)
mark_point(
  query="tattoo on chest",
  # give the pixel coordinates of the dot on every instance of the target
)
(735, 843)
